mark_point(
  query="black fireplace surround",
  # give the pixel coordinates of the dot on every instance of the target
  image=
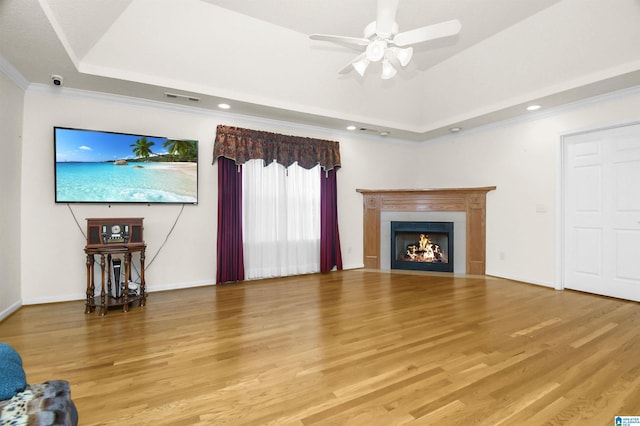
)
(422, 246)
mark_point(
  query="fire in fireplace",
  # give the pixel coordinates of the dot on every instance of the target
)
(426, 246)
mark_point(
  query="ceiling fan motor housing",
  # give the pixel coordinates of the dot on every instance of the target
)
(371, 30)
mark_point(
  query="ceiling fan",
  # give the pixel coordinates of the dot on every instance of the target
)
(383, 43)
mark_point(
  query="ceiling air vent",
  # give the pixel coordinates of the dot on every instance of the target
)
(379, 132)
(179, 96)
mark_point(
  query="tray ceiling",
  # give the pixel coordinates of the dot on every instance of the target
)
(256, 56)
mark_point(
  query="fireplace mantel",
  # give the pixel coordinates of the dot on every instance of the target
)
(472, 201)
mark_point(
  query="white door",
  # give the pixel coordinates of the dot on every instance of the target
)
(601, 215)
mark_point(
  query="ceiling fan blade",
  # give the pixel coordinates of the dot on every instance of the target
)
(360, 60)
(386, 17)
(430, 32)
(340, 39)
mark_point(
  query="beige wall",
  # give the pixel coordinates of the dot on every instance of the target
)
(520, 157)
(11, 103)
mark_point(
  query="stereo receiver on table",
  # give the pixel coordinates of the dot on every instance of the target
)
(114, 231)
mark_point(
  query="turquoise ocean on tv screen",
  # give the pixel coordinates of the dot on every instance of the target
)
(135, 182)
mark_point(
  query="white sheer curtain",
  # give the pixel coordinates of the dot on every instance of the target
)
(281, 219)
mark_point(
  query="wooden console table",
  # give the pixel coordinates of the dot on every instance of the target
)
(106, 299)
(108, 237)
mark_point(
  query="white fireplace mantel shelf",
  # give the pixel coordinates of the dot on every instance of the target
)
(472, 201)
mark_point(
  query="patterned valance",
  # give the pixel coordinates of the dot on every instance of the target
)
(242, 145)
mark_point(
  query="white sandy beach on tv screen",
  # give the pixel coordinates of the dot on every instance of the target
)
(132, 182)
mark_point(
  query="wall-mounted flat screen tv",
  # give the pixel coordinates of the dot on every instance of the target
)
(106, 167)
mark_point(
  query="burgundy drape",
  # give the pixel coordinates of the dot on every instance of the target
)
(233, 147)
(230, 256)
(330, 254)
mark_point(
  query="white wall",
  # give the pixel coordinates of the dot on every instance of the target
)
(520, 157)
(11, 104)
(53, 263)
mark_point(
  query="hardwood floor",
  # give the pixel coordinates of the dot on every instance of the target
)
(352, 347)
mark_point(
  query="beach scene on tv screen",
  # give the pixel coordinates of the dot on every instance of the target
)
(114, 167)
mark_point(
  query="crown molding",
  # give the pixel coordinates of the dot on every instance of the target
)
(13, 74)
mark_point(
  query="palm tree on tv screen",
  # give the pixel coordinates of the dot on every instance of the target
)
(183, 150)
(142, 147)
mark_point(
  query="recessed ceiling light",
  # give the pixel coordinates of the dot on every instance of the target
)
(533, 107)
(455, 129)
(383, 133)
(352, 127)
(224, 106)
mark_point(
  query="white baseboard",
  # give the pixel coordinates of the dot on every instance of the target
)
(11, 309)
(55, 299)
(150, 289)
(355, 266)
(523, 280)
(177, 286)
(82, 296)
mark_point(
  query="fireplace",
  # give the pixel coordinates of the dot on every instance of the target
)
(423, 246)
(470, 201)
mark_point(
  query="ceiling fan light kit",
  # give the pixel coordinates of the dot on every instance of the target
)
(361, 66)
(403, 55)
(383, 43)
(376, 50)
(388, 71)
